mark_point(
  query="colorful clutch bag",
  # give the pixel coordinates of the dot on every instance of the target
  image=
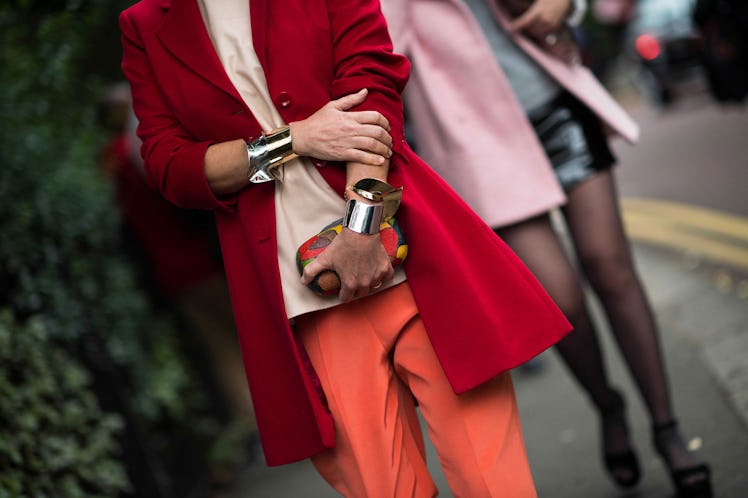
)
(327, 283)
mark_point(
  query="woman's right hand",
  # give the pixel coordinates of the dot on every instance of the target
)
(333, 134)
(542, 18)
(360, 261)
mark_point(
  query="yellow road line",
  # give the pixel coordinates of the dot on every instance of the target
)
(692, 216)
(720, 237)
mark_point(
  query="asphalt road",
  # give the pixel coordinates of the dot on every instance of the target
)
(695, 153)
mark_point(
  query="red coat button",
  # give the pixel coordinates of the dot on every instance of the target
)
(319, 163)
(283, 100)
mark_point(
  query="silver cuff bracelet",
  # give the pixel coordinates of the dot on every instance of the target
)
(267, 153)
(363, 218)
(379, 191)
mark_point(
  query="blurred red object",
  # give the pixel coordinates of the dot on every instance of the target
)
(177, 248)
(648, 47)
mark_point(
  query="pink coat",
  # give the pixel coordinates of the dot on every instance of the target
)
(467, 123)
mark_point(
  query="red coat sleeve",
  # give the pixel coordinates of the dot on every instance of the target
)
(174, 160)
(363, 58)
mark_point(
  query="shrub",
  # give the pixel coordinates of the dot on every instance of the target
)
(45, 391)
(88, 368)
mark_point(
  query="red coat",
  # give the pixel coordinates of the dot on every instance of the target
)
(484, 312)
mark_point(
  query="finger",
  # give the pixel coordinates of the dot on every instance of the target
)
(384, 275)
(542, 28)
(371, 117)
(389, 274)
(346, 293)
(372, 145)
(312, 270)
(525, 20)
(377, 132)
(359, 156)
(346, 102)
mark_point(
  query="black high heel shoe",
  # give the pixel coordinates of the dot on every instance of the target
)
(689, 482)
(622, 466)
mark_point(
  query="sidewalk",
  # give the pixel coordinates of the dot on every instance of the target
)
(705, 339)
(704, 326)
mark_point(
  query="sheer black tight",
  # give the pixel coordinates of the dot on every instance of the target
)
(593, 219)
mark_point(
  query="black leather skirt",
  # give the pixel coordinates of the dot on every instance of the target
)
(573, 139)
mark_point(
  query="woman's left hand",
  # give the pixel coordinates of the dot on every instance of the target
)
(335, 133)
(542, 18)
(360, 260)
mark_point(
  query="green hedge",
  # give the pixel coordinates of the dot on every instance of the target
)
(45, 392)
(71, 306)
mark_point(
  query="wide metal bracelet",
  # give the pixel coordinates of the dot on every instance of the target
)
(257, 167)
(362, 217)
(268, 152)
(279, 146)
(379, 191)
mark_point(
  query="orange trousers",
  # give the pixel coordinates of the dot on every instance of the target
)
(373, 357)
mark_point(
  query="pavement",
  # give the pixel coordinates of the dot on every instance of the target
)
(701, 305)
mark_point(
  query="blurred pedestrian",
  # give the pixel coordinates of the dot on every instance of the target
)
(177, 249)
(518, 127)
(605, 31)
(723, 25)
(233, 101)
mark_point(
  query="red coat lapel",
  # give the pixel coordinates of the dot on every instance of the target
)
(257, 14)
(183, 34)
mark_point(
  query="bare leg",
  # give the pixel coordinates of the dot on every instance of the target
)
(594, 221)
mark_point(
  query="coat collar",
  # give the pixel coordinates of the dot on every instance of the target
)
(258, 15)
(183, 33)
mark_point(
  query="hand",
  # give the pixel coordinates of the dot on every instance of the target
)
(542, 18)
(360, 261)
(334, 134)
